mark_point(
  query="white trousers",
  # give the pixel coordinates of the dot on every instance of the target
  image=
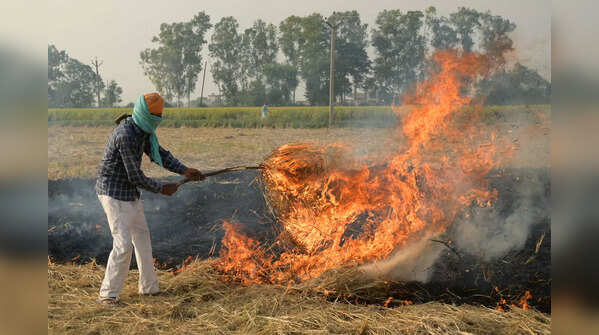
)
(129, 229)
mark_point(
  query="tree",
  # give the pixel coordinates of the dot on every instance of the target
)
(154, 64)
(520, 85)
(305, 42)
(495, 40)
(227, 50)
(259, 49)
(262, 47)
(254, 94)
(465, 21)
(291, 43)
(443, 36)
(314, 58)
(280, 80)
(56, 63)
(70, 82)
(112, 95)
(351, 59)
(400, 47)
(174, 66)
(78, 85)
(99, 84)
(370, 87)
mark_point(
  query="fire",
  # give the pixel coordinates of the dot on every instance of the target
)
(249, 262)
(524, 300)
(336, 211)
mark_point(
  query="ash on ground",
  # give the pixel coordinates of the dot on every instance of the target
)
(190, 224)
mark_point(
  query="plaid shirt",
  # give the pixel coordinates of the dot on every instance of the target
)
(119, 174)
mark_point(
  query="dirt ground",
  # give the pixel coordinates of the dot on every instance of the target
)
(75, 152)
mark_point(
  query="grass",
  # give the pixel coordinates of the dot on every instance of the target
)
(75, 152)
(249, 117)
(235, 117)
(198, 301)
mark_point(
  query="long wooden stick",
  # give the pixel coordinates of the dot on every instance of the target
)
(230, 169)
(449, 247)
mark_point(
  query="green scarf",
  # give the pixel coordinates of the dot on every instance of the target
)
(148, 123)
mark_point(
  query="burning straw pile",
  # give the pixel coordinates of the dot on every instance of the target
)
(334, 211)
(377, 222)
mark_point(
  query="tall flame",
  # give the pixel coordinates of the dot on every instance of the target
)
(335, 211)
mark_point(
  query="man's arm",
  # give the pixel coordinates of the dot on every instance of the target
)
(134, 173)
(172, 164)
(168, 161)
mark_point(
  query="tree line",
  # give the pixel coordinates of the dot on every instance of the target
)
(72, 83)
(267, 62)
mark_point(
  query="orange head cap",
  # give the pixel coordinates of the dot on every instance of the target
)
(155, 103)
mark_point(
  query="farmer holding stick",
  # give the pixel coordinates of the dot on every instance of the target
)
(119, 177)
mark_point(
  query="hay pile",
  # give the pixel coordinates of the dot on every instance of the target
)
(292, 169)
(197, 301)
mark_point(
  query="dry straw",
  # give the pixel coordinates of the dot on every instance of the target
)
(198, 301)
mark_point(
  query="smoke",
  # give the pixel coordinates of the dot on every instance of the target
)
(76, 221)
(524, 192)
(485, 233)
(489, 233)
(413, 262)
(181, 225)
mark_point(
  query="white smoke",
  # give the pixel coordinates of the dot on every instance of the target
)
(413, 262)
(489, 234)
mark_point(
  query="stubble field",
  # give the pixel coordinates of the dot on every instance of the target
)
(198, 301)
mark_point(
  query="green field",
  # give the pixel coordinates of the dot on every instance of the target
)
(249, 117)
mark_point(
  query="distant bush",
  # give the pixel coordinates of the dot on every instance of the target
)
(250, 117)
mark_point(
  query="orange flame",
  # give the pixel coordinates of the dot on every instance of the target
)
(524, 300)
(242, 257)
(336, 211)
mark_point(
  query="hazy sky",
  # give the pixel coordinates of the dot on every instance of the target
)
(116, 31)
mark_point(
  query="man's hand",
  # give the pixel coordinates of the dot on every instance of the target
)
(193, 174)
(169, 189)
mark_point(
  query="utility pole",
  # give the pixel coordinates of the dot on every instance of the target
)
(97, 65)
(332, 73)
(188, 92)
(203, 81)
(106, 94)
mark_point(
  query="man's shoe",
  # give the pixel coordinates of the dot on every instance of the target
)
(159, 293)
(108, 302)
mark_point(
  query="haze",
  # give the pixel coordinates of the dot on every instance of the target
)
(116, 31)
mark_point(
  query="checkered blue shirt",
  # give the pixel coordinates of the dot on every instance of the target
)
(119, 174)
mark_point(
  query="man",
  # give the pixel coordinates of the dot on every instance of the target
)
(119, 177)
(264, 110)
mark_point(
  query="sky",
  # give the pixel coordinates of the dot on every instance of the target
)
(116, 31)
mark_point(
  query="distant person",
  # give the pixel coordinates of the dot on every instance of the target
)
(264, 110)
(119, 177)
